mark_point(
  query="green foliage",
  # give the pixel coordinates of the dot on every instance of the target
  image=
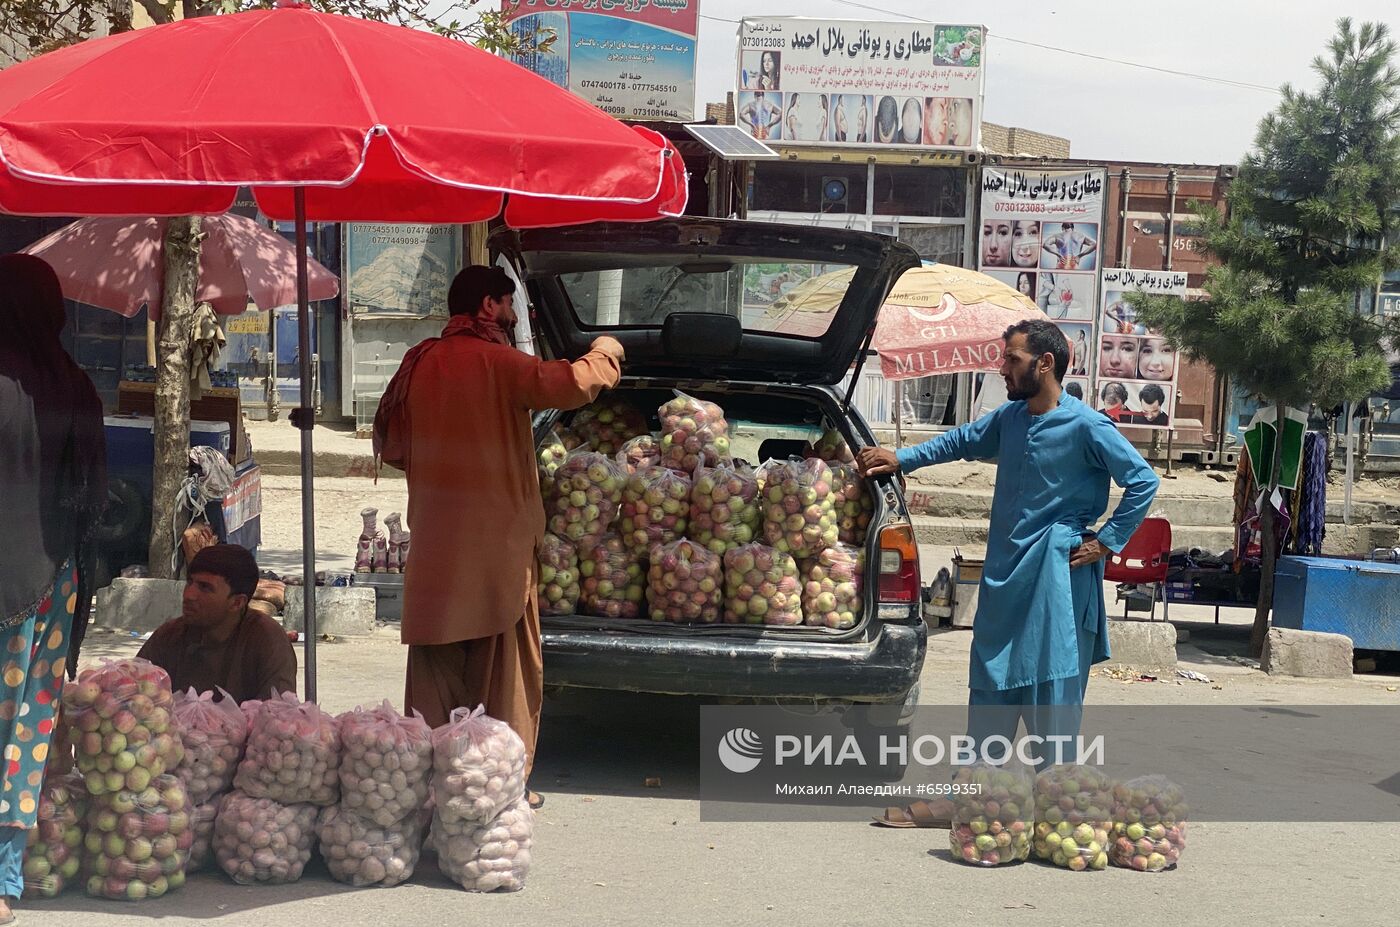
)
(1312, 214)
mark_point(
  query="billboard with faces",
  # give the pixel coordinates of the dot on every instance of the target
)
(1137, 369)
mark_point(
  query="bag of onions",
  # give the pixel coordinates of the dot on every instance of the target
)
(489, 857)
(694, 433)
(799, 515)
(557, 578)
(478, 767)
(386, 763)
(613, 585)
(725, 509)
(582, 501)
(655, 509)
(293, 754)
(363, 854)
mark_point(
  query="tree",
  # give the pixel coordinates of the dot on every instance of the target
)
(43, 25)
(1311, 214)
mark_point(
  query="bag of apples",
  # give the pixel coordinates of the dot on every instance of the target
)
(694, 433)
(1072, 805)
(761, 586)
(1149, 824)
(613, 585)
(833, 587)
(799, 515)
(138, 842)
(725, 509)
(549, 455)
(478, 767)
(607, 424)
(52, 856)
(641, 451)
(831, 447)
(583, 500)
(261, 840)
(385, 764)
(213, 734)
(557, 576)
(992, 814)
(685, 583)
(855, 507)
(120, 724)
(655, 509)
(293, 754)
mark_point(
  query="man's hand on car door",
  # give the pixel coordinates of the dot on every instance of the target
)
(876, 461)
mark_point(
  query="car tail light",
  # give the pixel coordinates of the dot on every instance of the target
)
(899, 566)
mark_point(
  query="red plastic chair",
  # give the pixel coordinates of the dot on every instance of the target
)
(1145, 560)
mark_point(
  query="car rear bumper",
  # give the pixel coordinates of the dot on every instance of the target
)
(882, 669)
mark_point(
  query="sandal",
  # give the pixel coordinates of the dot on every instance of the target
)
(916, 814)
(535, 799)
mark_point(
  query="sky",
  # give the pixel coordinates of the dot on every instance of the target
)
(1107, 110)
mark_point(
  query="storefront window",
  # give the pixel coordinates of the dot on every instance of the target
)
(807, 187)
(939, 192)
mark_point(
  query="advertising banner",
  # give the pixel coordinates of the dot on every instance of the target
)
(1137, 369)
(1040, 233)
(400, 270)
(633, 59)
(844, 82)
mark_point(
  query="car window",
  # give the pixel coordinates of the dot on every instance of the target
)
(798, 299)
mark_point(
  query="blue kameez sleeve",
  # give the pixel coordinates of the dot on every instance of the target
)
(1108, 449)
(979, 440)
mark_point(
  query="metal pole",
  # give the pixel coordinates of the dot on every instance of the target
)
(898, 414)
(1351, 463)
(305, 419)
(1126, 185)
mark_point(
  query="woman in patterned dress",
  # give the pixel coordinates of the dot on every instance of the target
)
(53, 487)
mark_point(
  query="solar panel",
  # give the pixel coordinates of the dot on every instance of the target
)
(731, 143)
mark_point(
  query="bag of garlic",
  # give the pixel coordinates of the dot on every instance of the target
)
(489, 857)
(361, 853)
(478, 767)
(260, 840)
(214, 734)
(293, 754)
(385, 764)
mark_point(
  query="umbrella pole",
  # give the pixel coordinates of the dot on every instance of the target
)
(898, 414)
(305, 418)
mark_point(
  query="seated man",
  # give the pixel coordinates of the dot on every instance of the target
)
(217, 641)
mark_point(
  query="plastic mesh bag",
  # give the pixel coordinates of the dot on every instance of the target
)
(1072, 807)
(363, 854)
(655, 508)
(831, 447)
(53, 855)
(582, 501)
(641, 451)
(607, 424)
(258, 840)
(385, 765)
(489, 857)
(293, 754)
(120, 724)
(1149, 824)
(694, 433)
(761, 586)
(799, 514)
(613, 585)
(855, 507)
(725, 509)
(833, 588)
(214, 735)
(478, 767)
(558, 576)
(992, 814)
(685, 584)
(138, 843)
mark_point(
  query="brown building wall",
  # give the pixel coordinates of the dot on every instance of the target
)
(1015, 142)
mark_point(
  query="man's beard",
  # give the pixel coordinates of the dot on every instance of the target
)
(1027, 387)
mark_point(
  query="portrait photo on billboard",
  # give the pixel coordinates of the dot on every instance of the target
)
(1065, 297)
(957, 46)
(948, 122)
(1134, 402)
(1118, 356)
(1081, 347)
(851, 118)
(805, 117)
(1022, 281)
(760, 70)
(761, 114)
(1010, 243)
(1078, 387)
(1157, 360)
(1069, 245)
(1119, 316)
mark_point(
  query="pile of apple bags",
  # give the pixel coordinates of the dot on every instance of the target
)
(139, 829)
(374, 835)
(482, 826)
(214, 734)
(266, 827)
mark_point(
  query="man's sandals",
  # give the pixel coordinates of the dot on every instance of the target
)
(535, 799)
(920, 813)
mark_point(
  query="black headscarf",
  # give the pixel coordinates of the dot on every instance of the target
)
(53, 472)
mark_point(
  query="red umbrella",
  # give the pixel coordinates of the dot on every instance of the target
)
(325, 117)
(118, 263)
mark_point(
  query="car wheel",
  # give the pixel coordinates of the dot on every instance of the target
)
(126, 512)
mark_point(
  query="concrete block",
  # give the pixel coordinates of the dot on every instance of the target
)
(1312, 654)
(1146, 644)
(345, 611)
(138, 604)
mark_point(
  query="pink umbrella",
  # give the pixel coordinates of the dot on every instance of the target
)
(117, 263)
(941, 319)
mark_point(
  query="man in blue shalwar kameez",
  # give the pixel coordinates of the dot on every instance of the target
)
(1040, 620)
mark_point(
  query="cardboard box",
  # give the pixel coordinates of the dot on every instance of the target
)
(967, 581)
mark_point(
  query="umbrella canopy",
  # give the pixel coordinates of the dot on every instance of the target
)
(941, 319)
(118, 263)
(327, 118)
(376, 122)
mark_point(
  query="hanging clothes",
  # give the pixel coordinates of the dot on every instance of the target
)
(1311, 519)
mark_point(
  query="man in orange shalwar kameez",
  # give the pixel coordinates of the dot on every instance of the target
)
(471, 617)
